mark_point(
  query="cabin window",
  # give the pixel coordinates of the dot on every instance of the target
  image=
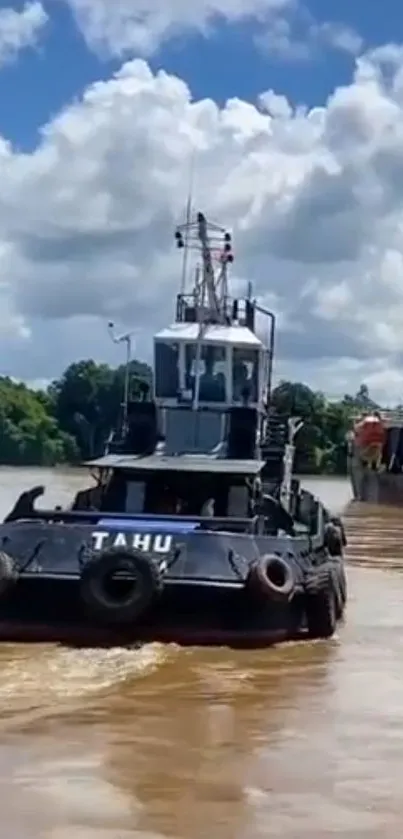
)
(166, 370)
(135, 493)
(212, 371)
(245, 374)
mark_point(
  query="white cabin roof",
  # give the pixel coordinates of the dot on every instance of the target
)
(202, 463)
(212, 334)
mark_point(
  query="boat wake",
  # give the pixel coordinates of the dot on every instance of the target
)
(50, 680)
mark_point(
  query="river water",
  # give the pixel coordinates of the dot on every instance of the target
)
(304, 741)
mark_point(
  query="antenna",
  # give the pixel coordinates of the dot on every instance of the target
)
(125, 338)
(188, 222)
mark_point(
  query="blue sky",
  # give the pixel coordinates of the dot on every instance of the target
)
(224, 63)
(293, 111)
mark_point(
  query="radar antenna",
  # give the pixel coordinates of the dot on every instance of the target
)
(214, 244)
(210, 290)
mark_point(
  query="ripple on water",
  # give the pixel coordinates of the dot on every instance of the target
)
(46, 679)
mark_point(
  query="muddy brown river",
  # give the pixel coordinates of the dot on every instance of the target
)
(298, 741)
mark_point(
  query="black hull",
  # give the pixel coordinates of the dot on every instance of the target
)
(84, 636)
(40, 611)
(206, 591)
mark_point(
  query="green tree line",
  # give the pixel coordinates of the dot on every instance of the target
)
(72, 419)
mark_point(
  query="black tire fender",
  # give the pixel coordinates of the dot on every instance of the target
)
(340, 584)
(333, 539)
(272, 577)
(145, 584)
(337, 521)
(343, 583)
(9, 573)
(321, 601)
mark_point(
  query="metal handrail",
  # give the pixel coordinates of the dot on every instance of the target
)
(96, 515)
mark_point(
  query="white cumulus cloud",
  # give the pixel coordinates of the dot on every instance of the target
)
(288, 31)
(293, 34)
(121, 26)
(314, 198)
(20, 29)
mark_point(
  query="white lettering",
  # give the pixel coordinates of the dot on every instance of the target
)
(162, 544)
(142, 542)
(145, 542)
(99, 539)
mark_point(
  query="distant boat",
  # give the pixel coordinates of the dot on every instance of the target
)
(375, 457)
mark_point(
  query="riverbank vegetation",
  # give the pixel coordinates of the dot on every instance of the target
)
(72, 419)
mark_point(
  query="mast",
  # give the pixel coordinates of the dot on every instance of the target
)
(214, 244)
(210, 290)
(126, 338)
(208, 270)
(294, 426)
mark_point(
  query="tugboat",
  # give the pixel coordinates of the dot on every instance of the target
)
(375, 457)
(196, 531)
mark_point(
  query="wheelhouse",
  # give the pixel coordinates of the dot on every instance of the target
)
(230, 362)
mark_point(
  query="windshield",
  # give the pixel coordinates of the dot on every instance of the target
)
(212, 369)
(245, 370)
(166, 370)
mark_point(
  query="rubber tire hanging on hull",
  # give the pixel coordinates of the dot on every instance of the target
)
(271, 577)
(100, 602)
(9, 573)
(334, 539)
(340, 583)
(337, 521)
(340, 586)
(321, 602)
(343, 584)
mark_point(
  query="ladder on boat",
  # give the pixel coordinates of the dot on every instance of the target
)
(273, 447)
